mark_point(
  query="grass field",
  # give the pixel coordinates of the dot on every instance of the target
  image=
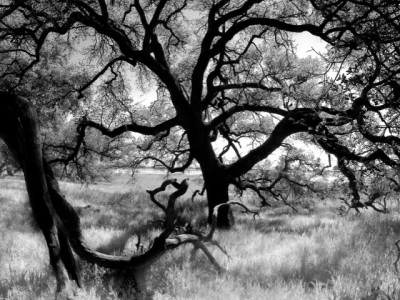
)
(315, 254)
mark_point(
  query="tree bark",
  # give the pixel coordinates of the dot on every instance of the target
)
(214, 173)
(217, 193)
(20, 130)
(217, 185)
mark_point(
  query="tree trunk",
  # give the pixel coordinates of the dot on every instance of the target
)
(217, 193)
(20, 130)
(214, 173)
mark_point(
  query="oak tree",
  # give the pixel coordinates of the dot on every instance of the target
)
(222, 73)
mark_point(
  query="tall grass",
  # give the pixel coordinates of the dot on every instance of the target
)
(281, 255)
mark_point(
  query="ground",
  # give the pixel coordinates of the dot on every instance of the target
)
(312, 254)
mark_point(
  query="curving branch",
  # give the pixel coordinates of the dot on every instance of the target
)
(158, 137)
(220, 119)
(242, 186)
(132, 127)
(170, 167)
(161, 244)
(298, 120)
(101, 72)
(246, 85)
(7, 10)
(274, 23)
(182, 187)
(199, 192)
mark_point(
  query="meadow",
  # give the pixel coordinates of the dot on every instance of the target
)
(311, 254)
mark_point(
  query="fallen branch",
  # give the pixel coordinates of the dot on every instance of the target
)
(161, 244)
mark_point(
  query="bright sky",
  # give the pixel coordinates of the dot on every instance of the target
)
(306, 43)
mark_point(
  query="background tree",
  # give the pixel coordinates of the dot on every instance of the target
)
(223, 72)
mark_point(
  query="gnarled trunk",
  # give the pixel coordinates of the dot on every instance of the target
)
(20, 131)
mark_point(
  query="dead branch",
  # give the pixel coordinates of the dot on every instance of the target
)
(198, 239)
(162, 188)
(161, 244)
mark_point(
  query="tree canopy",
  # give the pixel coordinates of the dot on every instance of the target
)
(224, 86)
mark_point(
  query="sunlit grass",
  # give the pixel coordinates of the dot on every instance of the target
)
(315, 254)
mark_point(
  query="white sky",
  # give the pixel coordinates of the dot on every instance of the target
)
(306, 44)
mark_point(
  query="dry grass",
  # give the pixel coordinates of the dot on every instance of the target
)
(281, 255)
